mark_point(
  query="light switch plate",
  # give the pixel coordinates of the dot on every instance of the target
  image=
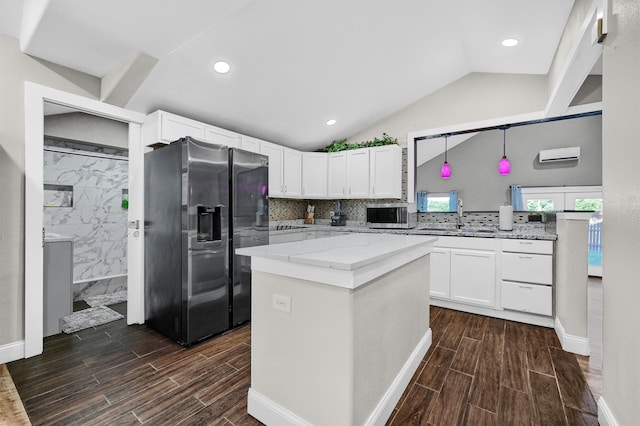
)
(282, 303)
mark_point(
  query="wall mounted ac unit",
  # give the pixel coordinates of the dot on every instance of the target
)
(571, 153)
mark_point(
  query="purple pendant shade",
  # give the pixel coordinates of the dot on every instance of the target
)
(504, 167)
(445, 170)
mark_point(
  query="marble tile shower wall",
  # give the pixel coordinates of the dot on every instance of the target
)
(97, 222)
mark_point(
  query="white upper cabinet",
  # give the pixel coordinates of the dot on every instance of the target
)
(366, 173)
(292, 173)
(165, 127)
(314, 174)
(274, 152)
(349, 174)
(250, 144)
(285, 170)
(358, 173)
(385, 172)
(337, 175)
(221, 137)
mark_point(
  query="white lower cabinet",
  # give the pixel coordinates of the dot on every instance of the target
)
(440, 272)
(527, 267)
(532, 298)
(510, 279)
(473, 277)
(527, 276)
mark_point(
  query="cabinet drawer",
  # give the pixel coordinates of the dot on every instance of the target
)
(528, 246)
(527, 298)
(530, 268)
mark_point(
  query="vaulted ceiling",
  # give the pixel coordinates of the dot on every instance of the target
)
(294, 63)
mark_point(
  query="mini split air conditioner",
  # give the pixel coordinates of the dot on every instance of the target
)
(571, 153)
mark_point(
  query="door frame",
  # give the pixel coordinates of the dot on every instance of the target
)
(35, 97)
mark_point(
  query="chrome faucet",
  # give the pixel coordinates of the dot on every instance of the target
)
(459, 222)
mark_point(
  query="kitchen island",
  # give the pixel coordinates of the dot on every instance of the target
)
(339, 326)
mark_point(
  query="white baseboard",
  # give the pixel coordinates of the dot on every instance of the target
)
(272, 413)
(605, 417)
(11, 352)
(574, 344)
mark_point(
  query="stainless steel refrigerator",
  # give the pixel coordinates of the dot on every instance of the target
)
(202, 201)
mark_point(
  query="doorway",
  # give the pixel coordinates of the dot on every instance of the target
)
(35, 98)
(85, 203)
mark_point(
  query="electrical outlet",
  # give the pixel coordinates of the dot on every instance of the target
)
(282, 303)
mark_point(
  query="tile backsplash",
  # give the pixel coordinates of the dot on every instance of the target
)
(283, 209)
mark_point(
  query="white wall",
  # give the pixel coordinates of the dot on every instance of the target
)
(16, 69)
(621, 229)
(474, 97)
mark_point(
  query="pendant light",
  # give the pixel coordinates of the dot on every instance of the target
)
(504, 167)
(445, 171)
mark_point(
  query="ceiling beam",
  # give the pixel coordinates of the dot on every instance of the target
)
(579, 62)
(118, 86)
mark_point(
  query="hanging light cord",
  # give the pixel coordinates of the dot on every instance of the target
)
(504, 142)
(445, 148)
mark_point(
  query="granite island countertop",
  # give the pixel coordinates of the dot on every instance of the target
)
(345, 252)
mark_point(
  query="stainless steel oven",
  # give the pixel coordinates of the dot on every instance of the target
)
(391, 215)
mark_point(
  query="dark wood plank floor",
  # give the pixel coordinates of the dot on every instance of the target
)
(478, 371)
(487, 371)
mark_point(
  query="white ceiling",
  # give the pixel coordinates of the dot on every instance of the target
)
(295, 63)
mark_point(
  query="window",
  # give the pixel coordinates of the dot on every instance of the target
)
(437, 201)
(580, 198)
(540, 204)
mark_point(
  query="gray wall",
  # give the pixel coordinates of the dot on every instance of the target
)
(621, 228)
(16, 69)
(474, 163)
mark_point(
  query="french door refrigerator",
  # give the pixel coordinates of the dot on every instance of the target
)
(202, 201)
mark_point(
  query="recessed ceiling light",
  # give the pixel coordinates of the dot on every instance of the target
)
(221, 67)
(331, 122)
(509, 42)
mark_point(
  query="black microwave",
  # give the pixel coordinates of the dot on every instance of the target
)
(391, 215)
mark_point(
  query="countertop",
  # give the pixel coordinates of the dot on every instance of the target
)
(348, 252)
(526, 232)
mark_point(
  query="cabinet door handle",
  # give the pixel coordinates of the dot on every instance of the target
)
(472, 255)
(526, 242)
(373, 190)
(528, 287)
(525, 257)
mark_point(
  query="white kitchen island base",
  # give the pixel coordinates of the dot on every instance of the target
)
(336, 348)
